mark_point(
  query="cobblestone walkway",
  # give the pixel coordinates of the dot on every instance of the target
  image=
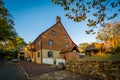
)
(61, 75)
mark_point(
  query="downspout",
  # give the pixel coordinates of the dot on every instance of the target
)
(41, 48)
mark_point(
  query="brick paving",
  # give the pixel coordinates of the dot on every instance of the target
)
(33, 69)
(48, 72)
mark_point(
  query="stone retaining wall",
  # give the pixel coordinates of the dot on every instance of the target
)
(101, 70)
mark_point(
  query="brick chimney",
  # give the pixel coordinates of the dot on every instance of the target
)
(58, 19)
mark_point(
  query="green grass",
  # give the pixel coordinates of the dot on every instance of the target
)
(103, 57)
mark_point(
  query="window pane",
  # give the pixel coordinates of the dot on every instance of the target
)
(39, 43)
(38, 54)
(50, 54)
(67, 44)
(64, 36)
(50, 42)
(53, 33)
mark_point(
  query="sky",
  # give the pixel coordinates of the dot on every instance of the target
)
(32, 17)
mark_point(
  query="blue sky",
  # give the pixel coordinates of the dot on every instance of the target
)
(32, 17)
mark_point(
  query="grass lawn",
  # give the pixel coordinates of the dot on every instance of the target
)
(103, 57)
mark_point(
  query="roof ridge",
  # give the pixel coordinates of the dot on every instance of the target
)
(45, 31)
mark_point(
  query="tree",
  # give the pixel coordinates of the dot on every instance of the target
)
(12, 47)
(82, 47)
(7, 30)
(80, 10)
(110, 34)
(117, 49)
(10, 42)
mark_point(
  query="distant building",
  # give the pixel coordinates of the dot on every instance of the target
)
(51, 43)
(95, 49)
(24, 54)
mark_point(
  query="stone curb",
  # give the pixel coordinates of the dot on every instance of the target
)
(26, 74)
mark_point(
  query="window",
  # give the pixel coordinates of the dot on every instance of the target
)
(74, 51)
(53, 33)
(39, 43)
(67, 45)
(38, 54)
(32, 55)
(64, 36)
(50, 54)
(50, 42)
(57, 27)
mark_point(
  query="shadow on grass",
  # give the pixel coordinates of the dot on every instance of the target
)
(105, 57)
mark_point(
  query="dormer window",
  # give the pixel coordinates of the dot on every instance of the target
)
(53, 33)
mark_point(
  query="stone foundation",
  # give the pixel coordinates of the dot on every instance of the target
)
(101, 70)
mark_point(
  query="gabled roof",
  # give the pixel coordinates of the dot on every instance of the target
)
(94, 46)
(44, 32)
(59, 22)
(69, 49)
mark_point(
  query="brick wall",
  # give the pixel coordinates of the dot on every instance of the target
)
(70, 55)
(58, 39)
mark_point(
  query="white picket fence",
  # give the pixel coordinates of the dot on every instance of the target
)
(53, 61)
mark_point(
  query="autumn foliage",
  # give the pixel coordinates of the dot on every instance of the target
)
(110, 35)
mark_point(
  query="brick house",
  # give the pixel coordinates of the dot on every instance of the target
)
(50, 43)
(95, 49)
